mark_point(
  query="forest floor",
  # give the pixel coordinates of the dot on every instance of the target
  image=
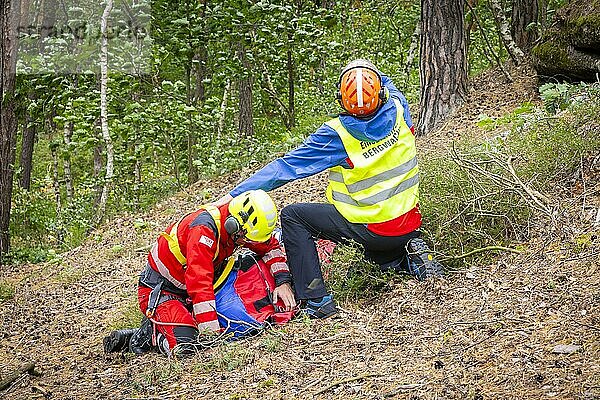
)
(526, 326)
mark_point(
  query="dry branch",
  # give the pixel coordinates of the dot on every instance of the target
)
(342, 381)
(511, 183)
(13, 376)
(481, 250)
(490, 47)
(403, 388)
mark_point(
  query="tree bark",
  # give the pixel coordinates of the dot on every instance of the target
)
(196, 98)
(223, 108)
(46, 19)
(246, 124)
(192, 171)
(570, 48)
(27, 145)
(291, 78)
(97, 172)
(9, 19)
(67, 135)
(514, 51)
(412, 50)
(524, 23)
(101, 210)
(443, 61)
(56, 187)
(137, 172)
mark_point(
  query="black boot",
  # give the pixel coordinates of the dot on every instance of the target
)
(421, 262)
(141, 339)
(118, 340)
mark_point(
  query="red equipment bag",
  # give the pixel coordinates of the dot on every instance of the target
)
(244, 302)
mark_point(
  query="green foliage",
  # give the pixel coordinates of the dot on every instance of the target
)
(465, 210)
(165, 101)
(228, 357)
(351, 277)
(490, 123)
(128, 316)
(7, 291)
(556, 96)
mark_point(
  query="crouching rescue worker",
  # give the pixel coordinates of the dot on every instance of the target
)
(187, 265)
(373, 189)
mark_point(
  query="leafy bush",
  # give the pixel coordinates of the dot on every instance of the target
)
(350, 277)
(471, 199)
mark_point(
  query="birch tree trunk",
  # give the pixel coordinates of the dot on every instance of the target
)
(101, 211)
(514, 51)
(97, 172)
(223, 109)
(56, 188)
(412, 50)
(9, 18)
(443, 62)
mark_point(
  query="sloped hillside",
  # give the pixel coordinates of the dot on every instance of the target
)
(526, 326)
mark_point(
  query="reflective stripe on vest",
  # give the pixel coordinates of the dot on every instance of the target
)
(173, 242)
(384, 182)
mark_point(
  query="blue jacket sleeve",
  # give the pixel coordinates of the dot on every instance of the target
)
(394, 92)
(321, 150)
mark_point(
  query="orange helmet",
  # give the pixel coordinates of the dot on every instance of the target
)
(360, 91)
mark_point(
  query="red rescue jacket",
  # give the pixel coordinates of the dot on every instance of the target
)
(205, 245)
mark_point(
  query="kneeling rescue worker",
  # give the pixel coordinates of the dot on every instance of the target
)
(186, 265)
(373, 188)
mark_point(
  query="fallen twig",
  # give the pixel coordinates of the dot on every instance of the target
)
(16, 374)
(403, 388)
(341, 382)
(313, 383)
(476, 251)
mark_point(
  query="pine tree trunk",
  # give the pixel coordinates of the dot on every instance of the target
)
(46, 19)
(524, 23)
(443, 63)
(246, 124)
(291, 78)
(67, 135)
(9, 18)
(108, 177)
(27, 144)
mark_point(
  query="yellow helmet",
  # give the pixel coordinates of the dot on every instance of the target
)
(254, 212)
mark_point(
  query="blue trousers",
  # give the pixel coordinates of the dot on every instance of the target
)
(303, 223)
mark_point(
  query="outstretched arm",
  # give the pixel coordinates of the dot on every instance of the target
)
(321, 150)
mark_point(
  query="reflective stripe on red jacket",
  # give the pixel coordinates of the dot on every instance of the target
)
(198, 239)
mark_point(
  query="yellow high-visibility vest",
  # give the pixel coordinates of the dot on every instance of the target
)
(173, 241)
(384, 182)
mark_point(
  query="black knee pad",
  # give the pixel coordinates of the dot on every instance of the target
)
(185, 334)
